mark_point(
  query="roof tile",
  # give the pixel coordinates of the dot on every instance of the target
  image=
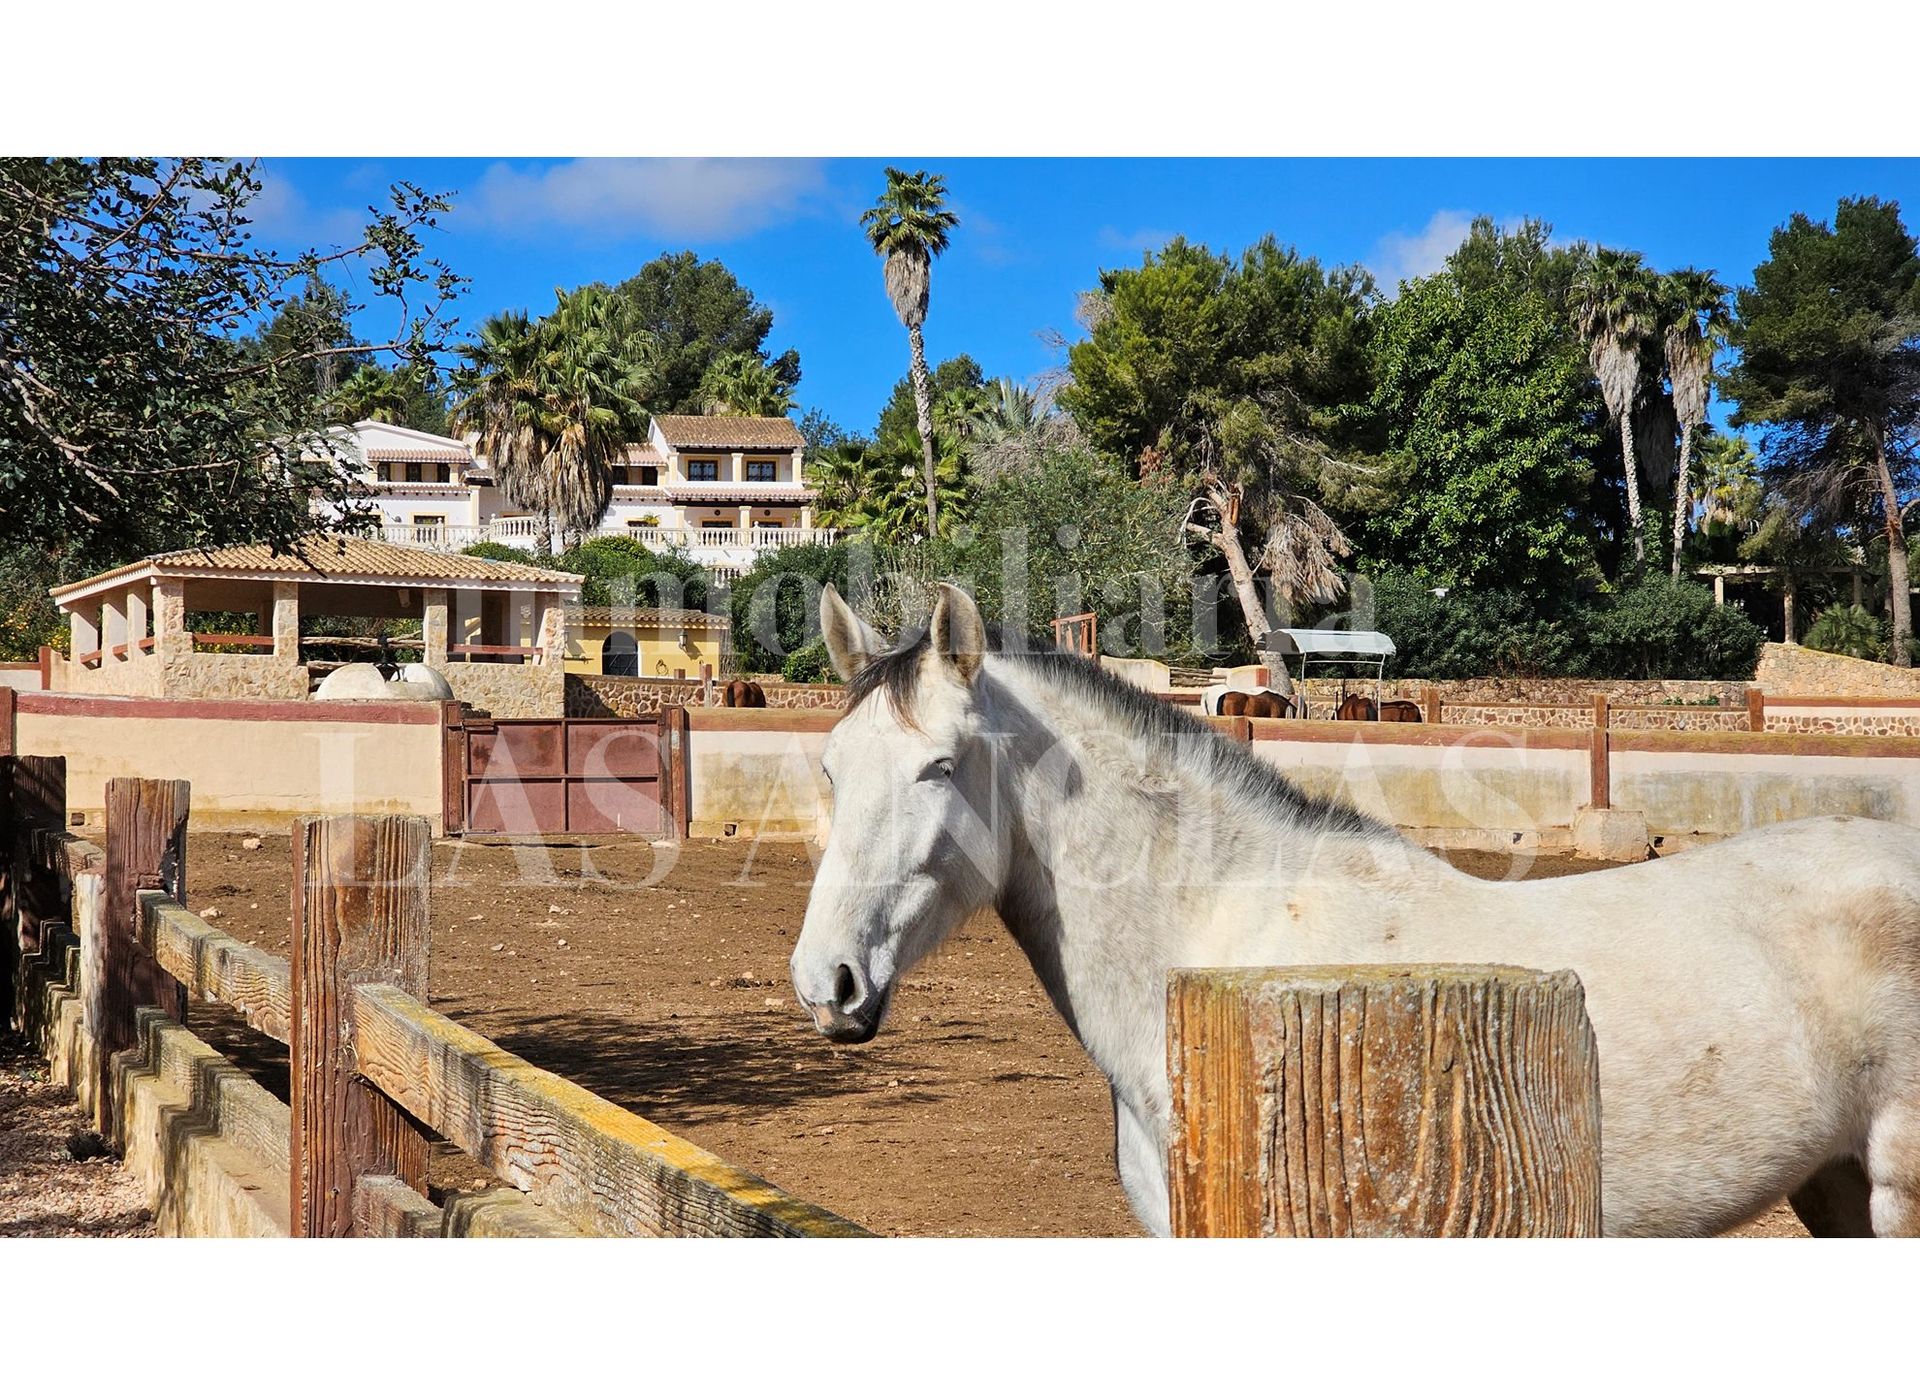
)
(729, 433)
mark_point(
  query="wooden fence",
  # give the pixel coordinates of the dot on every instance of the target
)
(375, 1073)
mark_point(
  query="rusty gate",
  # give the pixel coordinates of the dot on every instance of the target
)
(574, 775)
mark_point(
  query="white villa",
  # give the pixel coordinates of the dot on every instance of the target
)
(723, 488)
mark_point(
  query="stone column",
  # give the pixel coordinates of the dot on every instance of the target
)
(553, 630)
(113, 629)
(286, 621)
(739, 467)
(137, 619)
(433, 628)
(84, 627)
(746, 520)
(170, 619)
(806, 516)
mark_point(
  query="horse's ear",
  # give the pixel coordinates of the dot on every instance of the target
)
(851, 642)
(959, 635)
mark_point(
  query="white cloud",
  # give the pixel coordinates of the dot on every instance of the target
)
(1139, 240)
(284, 218)
(1401, 256)
(660, 197)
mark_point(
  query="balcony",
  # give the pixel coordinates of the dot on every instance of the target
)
(725, 549)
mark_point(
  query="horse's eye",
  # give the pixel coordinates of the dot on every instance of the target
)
(939, 770)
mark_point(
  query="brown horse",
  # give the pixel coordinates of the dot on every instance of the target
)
(741, 693)
(1264, 704)
(1401, 710)
(1233, 703)
(1357, 707)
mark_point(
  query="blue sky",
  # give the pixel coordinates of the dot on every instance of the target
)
(1033, 233)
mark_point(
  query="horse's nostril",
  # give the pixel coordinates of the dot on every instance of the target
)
(845, 987)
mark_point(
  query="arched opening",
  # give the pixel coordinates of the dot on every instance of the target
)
(620, 655)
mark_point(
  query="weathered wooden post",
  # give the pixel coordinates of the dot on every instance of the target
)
(1433, 703)
(1756, 710)
(146, 848)
(1382, 1100)
(1600, 756)
(360, 916)
(676, 771)
(37, 799)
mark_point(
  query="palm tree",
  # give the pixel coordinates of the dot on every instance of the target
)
(374, 394)
(499, 405)
(592, 383)
(1613, 307)
(744, 384)
(908, 227)
(1698, 322)
(553, 405)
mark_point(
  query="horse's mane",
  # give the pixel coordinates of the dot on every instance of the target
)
(897, 674)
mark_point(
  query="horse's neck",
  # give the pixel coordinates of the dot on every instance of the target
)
(1116, 873)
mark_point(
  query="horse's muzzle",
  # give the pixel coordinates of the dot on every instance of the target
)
(860, 1025)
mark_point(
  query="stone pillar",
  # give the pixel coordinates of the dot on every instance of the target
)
(137, 619)
(84, 625)
(739, 467)
(553, 630)
(746, 519)
(170, 638)
(433, 628)
(806, 516)
(286, 621)
(1719, 589)
(113, 629)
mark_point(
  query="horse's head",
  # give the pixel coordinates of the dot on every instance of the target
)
(912, 850)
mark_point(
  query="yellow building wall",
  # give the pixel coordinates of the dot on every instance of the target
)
(660, 655)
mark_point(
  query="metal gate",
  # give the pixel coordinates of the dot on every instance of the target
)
(574, 775)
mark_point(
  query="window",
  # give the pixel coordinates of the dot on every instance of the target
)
(649, 474)
(440, 475)
(619, 475)
(760, 471)
(703, 470)
(413, 472)
(620, 654)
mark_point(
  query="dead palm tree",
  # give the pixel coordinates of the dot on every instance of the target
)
(908, 227)
(1698, 322)
(1613, 307)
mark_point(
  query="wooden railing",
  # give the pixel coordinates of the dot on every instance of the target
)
(375, 1072)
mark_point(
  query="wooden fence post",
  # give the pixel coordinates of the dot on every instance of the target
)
(360, 916)
(1600, 756)
(9, 900)
(676, 773)
(146, 848)
(1433, 703)
(9, 705)
(453, 768)
(1756, 710)
(38, 801)
(1382, 1100)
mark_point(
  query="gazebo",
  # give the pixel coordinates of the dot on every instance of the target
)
(130, 632)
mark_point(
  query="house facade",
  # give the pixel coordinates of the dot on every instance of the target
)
(724, 489)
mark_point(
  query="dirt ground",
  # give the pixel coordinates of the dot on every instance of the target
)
(55, 1179)
(658, 978)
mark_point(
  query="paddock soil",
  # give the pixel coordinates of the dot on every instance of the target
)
(657, 977)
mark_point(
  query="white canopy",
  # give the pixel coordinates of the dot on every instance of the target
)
(1329, 642)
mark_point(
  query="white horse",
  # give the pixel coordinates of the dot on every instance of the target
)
(1756, 1003)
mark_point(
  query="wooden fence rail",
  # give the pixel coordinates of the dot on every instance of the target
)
(375, 1071)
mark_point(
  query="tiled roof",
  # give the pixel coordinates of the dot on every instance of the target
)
(648, 615)
(640, 453)
(407, 455)
(329, 555)
(729, 433)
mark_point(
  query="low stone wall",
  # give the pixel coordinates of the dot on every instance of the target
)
(1794, 670)
(1541, 692)
(510, 690)
(1889, 717)
(605, 695)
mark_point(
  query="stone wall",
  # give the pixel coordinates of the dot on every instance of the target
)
(601, 695)
(1542, 692)
(510, 690)
(1795, 670)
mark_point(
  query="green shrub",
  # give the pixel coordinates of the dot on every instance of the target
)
(809, 664)
(625, 572)
(776, 605)
(500, 552)
(1851, 630)
(1662, 629)
(1656, 628)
